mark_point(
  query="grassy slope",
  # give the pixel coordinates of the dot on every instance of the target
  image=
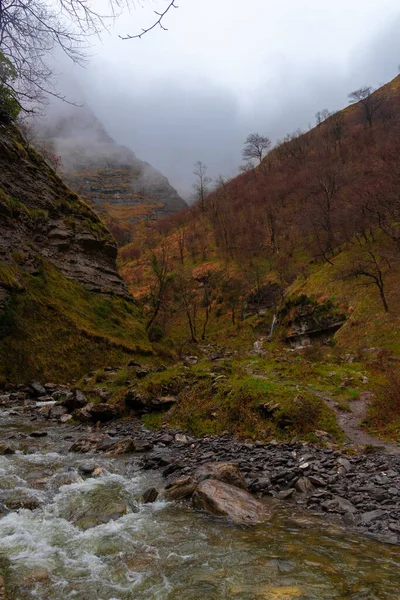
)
(56, 330)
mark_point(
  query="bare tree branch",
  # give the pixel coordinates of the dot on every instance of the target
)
(158, 23)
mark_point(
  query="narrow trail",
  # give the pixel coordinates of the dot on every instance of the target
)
(350, 422)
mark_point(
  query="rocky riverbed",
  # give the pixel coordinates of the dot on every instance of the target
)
(99, 523)
(361, 490)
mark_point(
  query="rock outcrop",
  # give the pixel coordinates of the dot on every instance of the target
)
(42, 219)
(120, 187)
(63, 305)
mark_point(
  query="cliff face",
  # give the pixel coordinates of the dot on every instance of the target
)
(58, 277)
(119, 186)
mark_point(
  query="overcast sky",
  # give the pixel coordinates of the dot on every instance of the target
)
(226, 68)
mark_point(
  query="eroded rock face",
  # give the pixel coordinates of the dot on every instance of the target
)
(41, 217)
(222, 499)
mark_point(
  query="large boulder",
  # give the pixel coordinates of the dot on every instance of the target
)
(221, 471)
(222, 499)
(74, 400)
(92, 413)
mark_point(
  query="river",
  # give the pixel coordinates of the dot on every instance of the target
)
(90, 538)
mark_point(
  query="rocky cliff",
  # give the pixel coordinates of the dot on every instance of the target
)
(58, 279)
(119, 186)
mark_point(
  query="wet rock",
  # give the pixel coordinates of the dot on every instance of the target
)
(56, 412)
(349, 519)
(143, 446)
(304, 486)
(166, 439)
(74, 400)
(344, 463)
(113, 512)
(92, 413)
(285, 494)
(121, 447)
(150, 495)
(370, 516)
(181, 488)
(2, 589)
(87, 468)
(222, 499)
(26, 502)
(339, 505)
(222, 471)
(65, 418)
(37, 389)
(6, 449)
(92, 441)
(36, 575)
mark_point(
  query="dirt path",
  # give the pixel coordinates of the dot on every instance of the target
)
(351, 422)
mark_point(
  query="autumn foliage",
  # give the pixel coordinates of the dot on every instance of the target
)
(312, 195)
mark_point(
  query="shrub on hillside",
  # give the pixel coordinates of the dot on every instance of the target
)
(9, 106)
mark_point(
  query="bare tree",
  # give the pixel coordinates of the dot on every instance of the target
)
(202, 182)
(255, 147)
(30, 31)
(370, 101)
(158, 23)
(321, 116)
(158, 288)
(370, 268)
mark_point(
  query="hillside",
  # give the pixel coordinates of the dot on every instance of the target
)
(63, 307)
(303, 249)
(121, 188)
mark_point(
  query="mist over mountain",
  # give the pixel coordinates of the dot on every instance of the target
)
(120, 186)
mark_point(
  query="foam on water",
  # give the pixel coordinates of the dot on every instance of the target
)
(165, 551)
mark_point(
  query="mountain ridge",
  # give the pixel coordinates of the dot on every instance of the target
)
(119, 186)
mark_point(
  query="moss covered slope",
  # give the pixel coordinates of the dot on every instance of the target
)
(63, 307)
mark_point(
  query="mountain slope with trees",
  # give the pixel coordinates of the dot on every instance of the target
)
(304, 247)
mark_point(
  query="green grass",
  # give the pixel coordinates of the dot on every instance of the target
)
(55, 329)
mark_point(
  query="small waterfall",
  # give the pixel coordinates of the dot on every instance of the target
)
(274, 320)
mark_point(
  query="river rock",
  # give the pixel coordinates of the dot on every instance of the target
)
(96, 412)
(74, 400)
(304, 485)
(37, 389)
(22, 501)
(121, 447)
(179, 489)
(339, 505)
(222, 499)
(221, 471)
(92, 441)
(150, 495)
(6, 449)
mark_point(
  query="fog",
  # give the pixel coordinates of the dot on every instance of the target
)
(226, 68)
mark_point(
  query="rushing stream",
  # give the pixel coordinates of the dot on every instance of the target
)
(90, 538)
